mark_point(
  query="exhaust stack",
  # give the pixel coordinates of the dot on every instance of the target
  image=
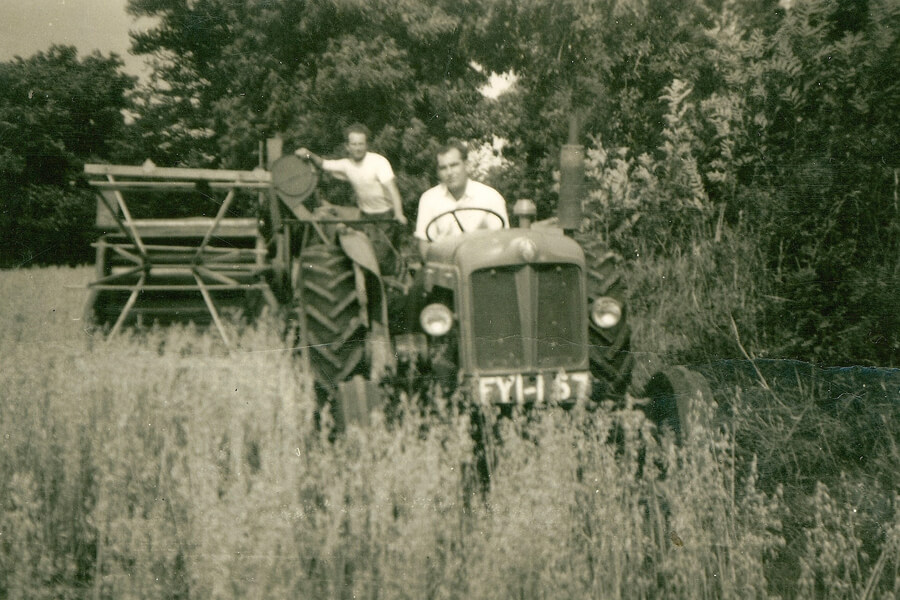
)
(571, 179)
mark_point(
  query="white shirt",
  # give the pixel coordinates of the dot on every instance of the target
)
(368, 178)
(439, 200)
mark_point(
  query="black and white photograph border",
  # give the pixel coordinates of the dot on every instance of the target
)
(439, 299)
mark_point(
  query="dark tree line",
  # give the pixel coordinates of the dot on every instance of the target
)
(55, 111)
(775, 119)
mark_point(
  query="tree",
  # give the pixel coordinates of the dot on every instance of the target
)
(233, 73)
(833, 106)
(56, 111)
(609, 61)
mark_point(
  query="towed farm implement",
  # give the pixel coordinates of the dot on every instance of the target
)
(188, 268)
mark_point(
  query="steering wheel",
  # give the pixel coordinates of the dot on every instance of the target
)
(453, 212)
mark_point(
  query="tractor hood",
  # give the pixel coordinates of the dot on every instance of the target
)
(487, 248)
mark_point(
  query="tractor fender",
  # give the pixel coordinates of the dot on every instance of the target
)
(358, 247)
(370, 287)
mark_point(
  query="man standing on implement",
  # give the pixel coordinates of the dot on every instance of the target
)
(369, 173)
(456, 192)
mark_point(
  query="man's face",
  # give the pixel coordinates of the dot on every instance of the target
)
(452, 171)
(357, 146)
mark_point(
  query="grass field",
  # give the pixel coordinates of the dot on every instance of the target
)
(162, 466)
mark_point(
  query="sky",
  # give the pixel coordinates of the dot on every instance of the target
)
(27, 26)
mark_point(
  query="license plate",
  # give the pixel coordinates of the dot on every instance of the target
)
(538, 388)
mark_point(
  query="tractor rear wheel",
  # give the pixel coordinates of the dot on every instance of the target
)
(334, 322)
(332, 319)
(610, 348)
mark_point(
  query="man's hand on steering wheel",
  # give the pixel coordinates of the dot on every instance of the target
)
(453, 213)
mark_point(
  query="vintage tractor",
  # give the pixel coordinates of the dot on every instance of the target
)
(520, 316)
(513, 317)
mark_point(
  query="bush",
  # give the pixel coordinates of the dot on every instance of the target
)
(45, 225)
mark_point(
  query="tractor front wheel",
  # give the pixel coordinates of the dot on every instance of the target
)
(610, 348)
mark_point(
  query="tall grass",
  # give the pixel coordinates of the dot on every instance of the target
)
(161, 465)
(824, 440)
(698, 304)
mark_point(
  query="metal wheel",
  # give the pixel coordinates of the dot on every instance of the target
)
(675, 395)
(93, 311)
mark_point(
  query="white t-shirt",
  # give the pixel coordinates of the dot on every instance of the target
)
(439, 200)
(368, 178)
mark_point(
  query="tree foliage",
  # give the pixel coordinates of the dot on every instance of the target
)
(56, 111)
(234, 73)
(832, 126)
(609, 61)
(787, 130)
(803, 124)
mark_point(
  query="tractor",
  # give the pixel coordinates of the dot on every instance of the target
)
(525, 316)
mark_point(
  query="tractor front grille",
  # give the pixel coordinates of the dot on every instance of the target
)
(497, 323)
(528, 317)
(560, 324)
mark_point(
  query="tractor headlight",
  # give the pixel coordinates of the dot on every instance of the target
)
(606, 312)
(436, 319)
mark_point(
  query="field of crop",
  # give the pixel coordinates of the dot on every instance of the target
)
(162, 466)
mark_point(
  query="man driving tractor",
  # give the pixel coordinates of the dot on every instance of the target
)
(457, 203)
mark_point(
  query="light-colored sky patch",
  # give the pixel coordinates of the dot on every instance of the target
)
(497, 84)
(28, 26)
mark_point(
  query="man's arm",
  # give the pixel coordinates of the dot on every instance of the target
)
(332, 167)
(385, 175)
(496, 203)
(394, 195)
(501, 208)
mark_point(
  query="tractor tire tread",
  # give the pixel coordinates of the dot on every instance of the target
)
(611, 360)
(335, 329)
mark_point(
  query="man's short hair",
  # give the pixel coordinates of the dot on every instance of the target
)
(453, 144)
(357, 128)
